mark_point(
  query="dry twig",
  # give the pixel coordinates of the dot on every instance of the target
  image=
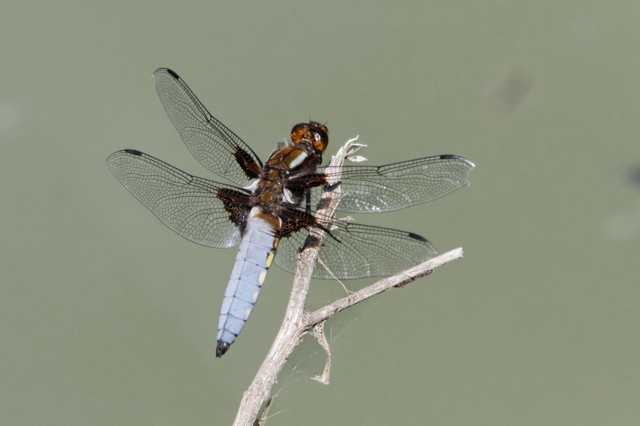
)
(298, 321)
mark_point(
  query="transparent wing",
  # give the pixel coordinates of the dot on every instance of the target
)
(211, 142)
(202, 211)
(358, 251)
(377, 189)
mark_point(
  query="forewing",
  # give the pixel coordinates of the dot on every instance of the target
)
(377, 189)
(211, 142)
(202, 211)
(358, 251)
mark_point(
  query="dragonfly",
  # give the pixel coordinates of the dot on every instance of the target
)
(270, 207)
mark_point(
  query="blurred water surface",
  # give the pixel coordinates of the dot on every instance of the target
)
(108, 317)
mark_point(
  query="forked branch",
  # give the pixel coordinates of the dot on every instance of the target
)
(297, 321)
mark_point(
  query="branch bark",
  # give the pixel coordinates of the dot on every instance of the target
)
(297, 321)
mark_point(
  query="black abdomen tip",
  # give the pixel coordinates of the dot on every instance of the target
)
(221, 348)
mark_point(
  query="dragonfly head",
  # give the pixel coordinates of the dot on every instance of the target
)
(315, 133)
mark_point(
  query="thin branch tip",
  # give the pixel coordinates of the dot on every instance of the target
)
(398, 280)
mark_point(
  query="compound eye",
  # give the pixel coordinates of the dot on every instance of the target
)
(319, 126)
(299, 132)
(320, 138)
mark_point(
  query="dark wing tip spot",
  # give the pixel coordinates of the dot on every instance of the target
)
(133, 152)
(173, 74)
(417, 237)
(449, 157)
(221, 348)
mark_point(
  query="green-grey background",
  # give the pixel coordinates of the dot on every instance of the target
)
(107, 317)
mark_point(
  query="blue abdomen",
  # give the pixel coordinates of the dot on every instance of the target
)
(255, 255)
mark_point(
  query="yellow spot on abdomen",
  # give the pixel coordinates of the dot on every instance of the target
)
(275, 243)
(255, 296)
(270, 259)
(247, 313)
(261, 277)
